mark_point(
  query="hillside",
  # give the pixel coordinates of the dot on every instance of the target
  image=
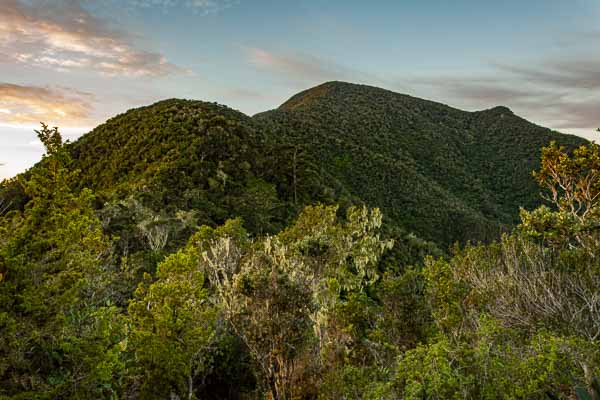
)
(443, 173)
(180, 155)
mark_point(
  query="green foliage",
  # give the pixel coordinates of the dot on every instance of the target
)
(519, 318)
(431, 372)
(496, 363)
(188, 155)
(290, 297)
(174, 328)
(444, 174)
(591, 393)
(515, 320)
(406, 317)
(573, 185)
(51, 139)
(213, 262)
(60, 333)
(356, 383)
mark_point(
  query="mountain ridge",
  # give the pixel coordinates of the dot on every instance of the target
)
(322, 89)
(445, 174)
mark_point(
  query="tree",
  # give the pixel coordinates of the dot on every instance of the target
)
(4, 206)
(60, 333)
(174, 328)
(280, 294)
(341, 256)
(265, 301)
(572, 182)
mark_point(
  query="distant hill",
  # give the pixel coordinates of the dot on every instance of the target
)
(187, 155)
(445, 174)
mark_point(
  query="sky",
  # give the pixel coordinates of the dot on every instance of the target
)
(76, 63)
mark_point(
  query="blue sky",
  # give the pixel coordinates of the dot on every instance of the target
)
(75, 63)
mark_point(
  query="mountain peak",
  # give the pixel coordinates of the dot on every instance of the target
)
(308, 96)
(349, 95)
(499, 110)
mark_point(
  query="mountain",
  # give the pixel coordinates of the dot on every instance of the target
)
(445, 174)
(187, 155)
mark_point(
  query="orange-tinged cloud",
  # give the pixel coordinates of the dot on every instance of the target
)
(300, 67)
(20, 105)
(64, 36)
(301, 70)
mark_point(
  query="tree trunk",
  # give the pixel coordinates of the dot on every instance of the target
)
(273, 387)
(295, 182)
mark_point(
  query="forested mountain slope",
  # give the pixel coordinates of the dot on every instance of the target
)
(184, 155)
(443, 173)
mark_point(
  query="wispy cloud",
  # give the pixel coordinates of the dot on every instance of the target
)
(200, 6)
(62, 35)
(561, 92)
(571, 110)
(24, 105)
(301, 69)
(249, 95)
(297, 67)
(577, 73)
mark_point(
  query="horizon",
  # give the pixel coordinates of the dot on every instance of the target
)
(76, 63)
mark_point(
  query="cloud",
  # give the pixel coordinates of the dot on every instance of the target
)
(63, 36)
(561, 92)
(300, 69)
(578, 38)
(63, 107)
(565, 109)
(297, 67)
(201, 6)
(245, 94)
(578, 73)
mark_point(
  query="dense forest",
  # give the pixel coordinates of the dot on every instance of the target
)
(354, 243)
